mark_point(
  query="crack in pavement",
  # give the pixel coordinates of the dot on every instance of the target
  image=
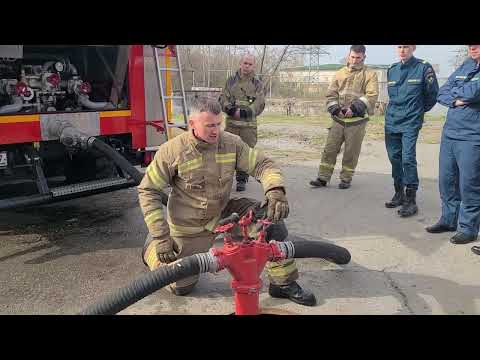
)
(391, 282)
(394, 285)
(404, 297)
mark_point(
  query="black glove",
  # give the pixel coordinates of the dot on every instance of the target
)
(334, 109)
(245, 112)
(358, 108)
(230, 109)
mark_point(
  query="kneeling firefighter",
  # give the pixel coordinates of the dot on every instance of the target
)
(199, 166)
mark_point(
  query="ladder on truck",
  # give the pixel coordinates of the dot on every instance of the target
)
(166, 92)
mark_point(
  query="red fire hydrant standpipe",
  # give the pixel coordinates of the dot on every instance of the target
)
(245, 261)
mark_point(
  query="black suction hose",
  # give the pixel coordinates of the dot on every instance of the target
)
(201, 263)
(147, 284)
(320, 249)
(118, 159)
(70, 136)
(121, 162)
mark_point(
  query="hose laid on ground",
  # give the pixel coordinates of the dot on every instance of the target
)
(202, 263)
(324, 250)
(151, 282)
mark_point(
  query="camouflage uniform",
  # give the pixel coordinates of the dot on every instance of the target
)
(244, 93)
(350, 84)
(201, 177)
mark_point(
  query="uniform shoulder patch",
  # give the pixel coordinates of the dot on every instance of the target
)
(429, 74)
(429, 70)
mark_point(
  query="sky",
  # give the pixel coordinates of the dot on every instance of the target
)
(386, 55)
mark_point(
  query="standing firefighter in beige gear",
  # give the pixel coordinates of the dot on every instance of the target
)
(243, 99)
(351, 97)
(199, 166)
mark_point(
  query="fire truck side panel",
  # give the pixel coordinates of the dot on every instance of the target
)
(154, 110)
(19, 129)
(137, 123)
(114, 122)
(98, 92)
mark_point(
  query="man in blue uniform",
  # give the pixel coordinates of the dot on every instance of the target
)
(412, 89)
(459, 175)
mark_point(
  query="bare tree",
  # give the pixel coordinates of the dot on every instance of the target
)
(214, 63)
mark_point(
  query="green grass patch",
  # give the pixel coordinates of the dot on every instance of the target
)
(294, 120)
(268, 134)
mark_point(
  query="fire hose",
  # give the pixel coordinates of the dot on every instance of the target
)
(244, 260)
(72, 137)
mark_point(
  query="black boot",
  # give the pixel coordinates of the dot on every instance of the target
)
(343, 185)
(439, 228)
(242, 179)
(409, 206)
(294, 293)
(476, 250)
(318, 182)
(461, 238)
(241, 186)
(181, 291)
(398, 198)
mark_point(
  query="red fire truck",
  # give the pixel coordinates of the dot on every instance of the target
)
(58, 100)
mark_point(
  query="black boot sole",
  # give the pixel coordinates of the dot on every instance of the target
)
(280, 295)
(392, 206)
(462, 242)
(403, 215)
(317, 186)
(440, 231)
